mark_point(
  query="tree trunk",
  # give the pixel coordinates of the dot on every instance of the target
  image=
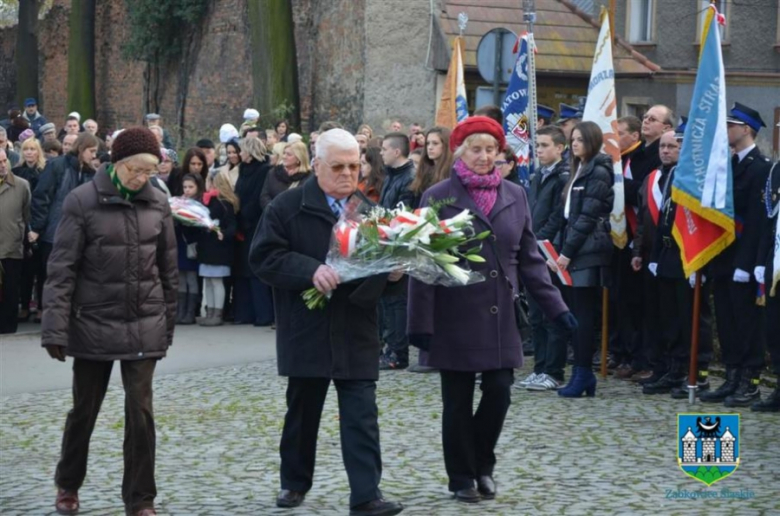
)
(27, 51)
(274, 63)
(81, 58)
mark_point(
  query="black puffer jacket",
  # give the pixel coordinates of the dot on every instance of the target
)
(30, 174)
(212, 250)
(58, 179)
(586, 239)
(545, 198)
(395, 189)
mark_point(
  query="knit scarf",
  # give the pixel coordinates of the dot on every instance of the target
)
(123, 190)
(483, 189)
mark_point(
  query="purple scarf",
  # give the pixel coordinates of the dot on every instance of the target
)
(483, 189)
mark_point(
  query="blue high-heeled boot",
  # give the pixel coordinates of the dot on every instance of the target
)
(582, 381)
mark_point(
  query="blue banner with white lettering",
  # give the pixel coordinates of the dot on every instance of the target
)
(515, 109)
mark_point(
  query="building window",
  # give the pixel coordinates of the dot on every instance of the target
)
(724, 8)
(636, 106)
(641, 21)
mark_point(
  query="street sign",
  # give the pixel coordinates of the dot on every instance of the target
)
(494, 53)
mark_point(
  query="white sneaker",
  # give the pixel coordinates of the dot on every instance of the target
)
(531, 378)
(544, 382)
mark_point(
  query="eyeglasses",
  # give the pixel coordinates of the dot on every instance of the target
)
(651, 119)
(500, 163)
(339, 167)
(138, 171)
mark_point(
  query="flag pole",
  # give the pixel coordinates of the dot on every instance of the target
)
(692, 370)
(529, 15)
(604, 329)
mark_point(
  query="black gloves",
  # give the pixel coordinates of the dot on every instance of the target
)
(566, 321)
(422, 342)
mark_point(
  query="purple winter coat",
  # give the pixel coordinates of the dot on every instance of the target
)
(473, 327)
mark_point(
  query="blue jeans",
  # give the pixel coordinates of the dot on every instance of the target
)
(393, 311)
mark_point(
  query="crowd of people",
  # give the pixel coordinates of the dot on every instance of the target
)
(276, 197)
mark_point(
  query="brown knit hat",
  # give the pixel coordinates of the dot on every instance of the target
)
(136, 140)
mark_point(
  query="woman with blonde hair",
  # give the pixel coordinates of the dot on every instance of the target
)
(252, 299)
(31, 167)
(291, 172)
(277, 153)
(366, 129)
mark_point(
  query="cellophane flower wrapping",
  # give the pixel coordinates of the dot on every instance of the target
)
(369, 240)
(192, 213)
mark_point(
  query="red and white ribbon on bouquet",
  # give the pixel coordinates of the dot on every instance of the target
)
(346, 235)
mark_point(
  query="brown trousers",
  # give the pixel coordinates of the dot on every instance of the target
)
(90, 382)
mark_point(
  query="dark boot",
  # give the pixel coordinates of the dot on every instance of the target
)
(702, 385)
(669, 381)
(214, 318)
(728, 387)
(771, 404)
(747, 393)
(583, 381)
(657, 375)
(192, 305)
(181, 307)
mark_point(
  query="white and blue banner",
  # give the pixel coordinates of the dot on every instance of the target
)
(516, 121)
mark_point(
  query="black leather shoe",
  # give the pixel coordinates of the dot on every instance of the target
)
(469, 495)
(747, 393)
(726, 389)
(665, 385)
(378, 507)
(486, 487)
(771, 404)
(681, 391)
(289, 499)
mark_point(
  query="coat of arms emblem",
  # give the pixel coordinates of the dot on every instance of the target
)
(708, 445)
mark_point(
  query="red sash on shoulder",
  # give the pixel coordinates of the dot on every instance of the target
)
(654, 195)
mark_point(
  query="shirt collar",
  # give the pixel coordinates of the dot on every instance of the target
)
(632, 148)
(744, 152)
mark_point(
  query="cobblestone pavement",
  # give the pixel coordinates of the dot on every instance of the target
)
(218, 432)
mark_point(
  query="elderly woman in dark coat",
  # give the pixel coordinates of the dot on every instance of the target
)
(111, 295)
(473, 329)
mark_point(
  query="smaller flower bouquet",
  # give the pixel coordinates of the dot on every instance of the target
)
(369, 240)
(192, 213)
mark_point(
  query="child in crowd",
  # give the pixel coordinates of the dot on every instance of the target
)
(215, 249)
(186, 240)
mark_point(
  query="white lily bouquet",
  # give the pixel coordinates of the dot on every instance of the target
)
(369, 240)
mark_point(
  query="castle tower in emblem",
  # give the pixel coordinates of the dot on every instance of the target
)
(689, 446)
(727, 446)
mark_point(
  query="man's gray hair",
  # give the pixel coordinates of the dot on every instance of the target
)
(338, 139)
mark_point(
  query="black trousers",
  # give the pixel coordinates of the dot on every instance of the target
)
(773, 328)
(549, 340)
(625, 322)
(657, 356)
(9, 296)
(585, 304)
(740, 323)
(359, 430)
(676, 324)
(32, 269)
(90, 382)
(469, 437)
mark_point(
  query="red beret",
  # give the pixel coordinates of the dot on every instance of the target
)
(474, 125)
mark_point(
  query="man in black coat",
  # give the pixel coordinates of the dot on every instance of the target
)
(672, 314)
(545, 196)
(339, 342)
(765, 272)
(629, 337)
(399, 172)
(740, 321)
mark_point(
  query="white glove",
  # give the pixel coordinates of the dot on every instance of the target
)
(653, 268)
(741, 276)
(692, 280)
(758, 273)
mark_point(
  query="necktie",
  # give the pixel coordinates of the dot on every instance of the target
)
(336, 207)
(734, 162)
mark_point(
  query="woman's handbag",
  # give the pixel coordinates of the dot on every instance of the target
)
(520, 303)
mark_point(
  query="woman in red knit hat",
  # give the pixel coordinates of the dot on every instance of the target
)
(473, 329)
